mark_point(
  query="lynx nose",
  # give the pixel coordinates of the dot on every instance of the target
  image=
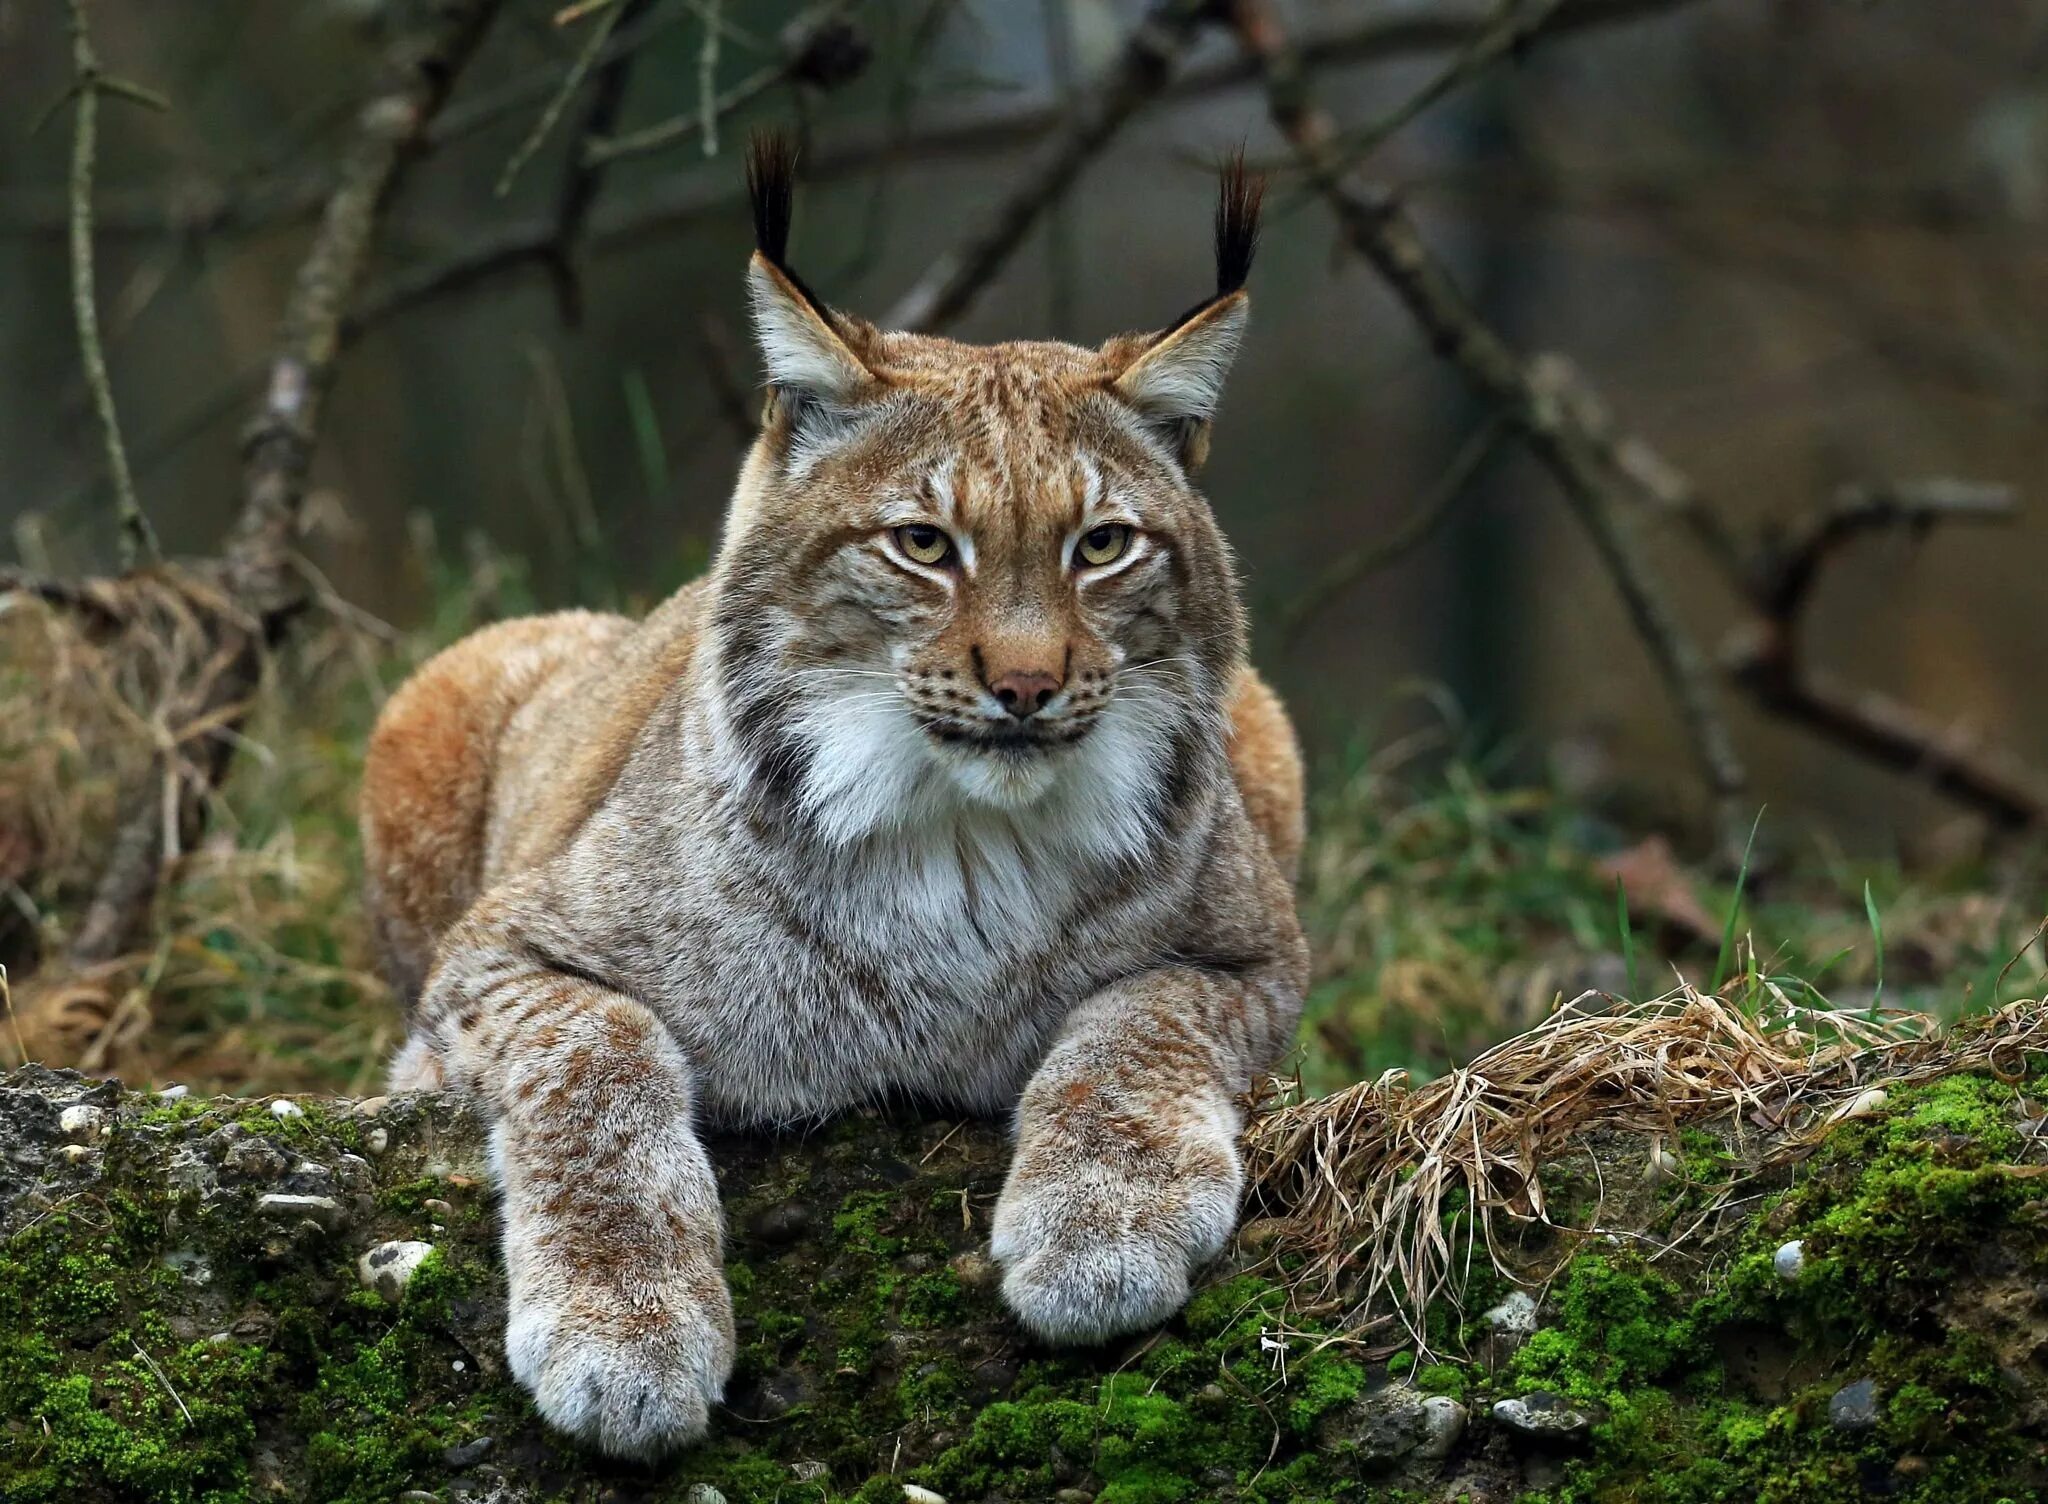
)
(1024, 692)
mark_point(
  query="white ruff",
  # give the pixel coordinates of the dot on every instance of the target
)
(878, 783)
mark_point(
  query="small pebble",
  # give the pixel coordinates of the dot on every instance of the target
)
(702, 1493)
(1514, 1316)
(458, 1365)
(284, 1108)
(173, 1093)
(1790, 1260)
(434, 1206)
(1854, 1407)
(192, 1266)
(1543, 1415)
(1443, 1422)
(918, 1494)
(369, 1107)
(75, 1154)
(324, 1210)
(469, 1453)
(377, 1140)
(83, 1124)
(389, 1267)
(975, 1271)
(1868, 1105)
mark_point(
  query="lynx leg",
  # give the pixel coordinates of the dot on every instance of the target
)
(619, 1319)
(1127, 1172)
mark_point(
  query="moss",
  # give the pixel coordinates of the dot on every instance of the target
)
(1899, 1215)
(89, 1370)
(930, 1300)
(1442, 1378)
(873, 1336)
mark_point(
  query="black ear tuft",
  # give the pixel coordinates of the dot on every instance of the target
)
(771, 186)
(1237, 224)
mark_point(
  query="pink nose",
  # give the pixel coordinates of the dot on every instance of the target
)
(1024, 692)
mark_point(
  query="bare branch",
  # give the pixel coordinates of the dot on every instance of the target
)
(1891, 735)
(1784, 574)
(1413, 531)
(820, 48)
(586, 59)
(1374, 36)
(232, 610)
(1541, 411)
(1765, 657)
(1140, 73)
(137, 538)
(1604, 474)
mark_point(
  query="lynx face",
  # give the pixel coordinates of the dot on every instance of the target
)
(968, 578)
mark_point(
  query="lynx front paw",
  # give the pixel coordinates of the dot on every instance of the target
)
(1094, 1245)
(632, 1374)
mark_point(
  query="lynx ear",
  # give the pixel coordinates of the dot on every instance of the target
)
(802, 351)
(1180, 378)
(1176, 381)
(805, 347)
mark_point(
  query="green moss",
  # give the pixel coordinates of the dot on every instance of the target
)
(1442, 1378)
(1897, 1214)
(930, 1300)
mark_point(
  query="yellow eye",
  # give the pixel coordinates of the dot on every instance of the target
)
(924, 544)
(1102, 545)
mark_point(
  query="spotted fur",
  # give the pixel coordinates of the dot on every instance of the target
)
(855, 817)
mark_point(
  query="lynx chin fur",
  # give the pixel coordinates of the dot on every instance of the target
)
(950, 782)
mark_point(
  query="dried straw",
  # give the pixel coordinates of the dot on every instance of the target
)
(1360, 1181)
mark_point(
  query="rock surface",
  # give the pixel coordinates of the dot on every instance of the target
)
(206, 1305)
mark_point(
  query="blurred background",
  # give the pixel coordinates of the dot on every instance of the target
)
(1794, 245)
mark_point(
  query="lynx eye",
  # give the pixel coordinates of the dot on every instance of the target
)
(924, 544)
(1102, 545)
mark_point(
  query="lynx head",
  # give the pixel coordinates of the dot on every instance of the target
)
(979, 577)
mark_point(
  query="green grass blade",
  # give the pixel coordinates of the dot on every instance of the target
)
(1628, 941)
(1877, 938)
(1735, 908)
(647, 444)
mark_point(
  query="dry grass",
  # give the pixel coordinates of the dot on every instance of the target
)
(1363, 1182)
(258, 974)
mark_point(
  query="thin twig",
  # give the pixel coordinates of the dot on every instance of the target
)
(137, 538)
(1370, 558)
(237, 607)
(1514, 23)
(1140, 73)
(593, 48)
(582, 178)
(1373, 35)
(818, 48)
(707, 80)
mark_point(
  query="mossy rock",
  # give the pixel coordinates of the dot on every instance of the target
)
(167, 1334)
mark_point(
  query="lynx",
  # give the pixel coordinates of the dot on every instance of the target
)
(949, 783)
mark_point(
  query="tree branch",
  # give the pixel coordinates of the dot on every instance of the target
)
(1541, 411)
(137, 538)
(231, 610)
(1140, 73)
(1375, 36)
